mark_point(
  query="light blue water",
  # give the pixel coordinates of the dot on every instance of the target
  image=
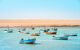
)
(10, 41)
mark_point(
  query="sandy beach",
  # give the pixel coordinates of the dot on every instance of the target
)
(38, 22)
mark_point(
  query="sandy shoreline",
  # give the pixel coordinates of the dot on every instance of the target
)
(39, 22)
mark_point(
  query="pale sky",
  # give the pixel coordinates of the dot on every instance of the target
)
(40, 9)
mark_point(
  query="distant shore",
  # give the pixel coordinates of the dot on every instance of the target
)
(43, 26)
(39, 23)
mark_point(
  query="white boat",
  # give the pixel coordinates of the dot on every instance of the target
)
(60, 37)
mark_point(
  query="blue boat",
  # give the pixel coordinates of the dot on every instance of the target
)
(29, 41)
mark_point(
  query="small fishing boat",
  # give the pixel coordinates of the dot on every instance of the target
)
(24, 29)
(55, 29)
(46, 30)
(5, 30)
(71, 34)
(19, 31)
(29, 41)
(61, 38)
(27, 33)
(51, 33)
(74, 35)
(36, 34)
(33, 28)
(10, 31)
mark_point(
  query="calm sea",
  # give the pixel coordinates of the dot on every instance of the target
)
(10, 41)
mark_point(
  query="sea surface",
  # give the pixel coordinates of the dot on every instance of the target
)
(10, 41)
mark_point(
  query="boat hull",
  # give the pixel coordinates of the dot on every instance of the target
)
(29, 41)
(60, 38)
(36, 34)
(51, 33)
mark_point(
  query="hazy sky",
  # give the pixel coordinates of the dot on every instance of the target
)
(39, 9)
